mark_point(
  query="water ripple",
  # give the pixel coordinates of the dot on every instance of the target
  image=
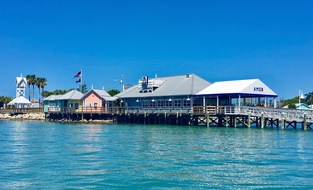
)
(38, 155)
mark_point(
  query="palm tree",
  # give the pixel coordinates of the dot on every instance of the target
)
(43, 83)
(30, 81)
(309, 98)
(38, 81)
(33, 82)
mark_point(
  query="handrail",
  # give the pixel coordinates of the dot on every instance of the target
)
(286, 114)
(21, 110)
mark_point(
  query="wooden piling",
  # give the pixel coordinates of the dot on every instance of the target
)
(262, 121)
(249, 120)
(207, 120)
(226, 121)
(283, 123)
(305, 124)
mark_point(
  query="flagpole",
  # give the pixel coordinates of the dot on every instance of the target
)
(81, 78)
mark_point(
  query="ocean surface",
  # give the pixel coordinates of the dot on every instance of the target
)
(39, 155)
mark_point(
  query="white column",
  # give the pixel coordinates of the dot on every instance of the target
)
(203, 100)
(217, 101)
(239, 100)
(265, 102)
(275, 102)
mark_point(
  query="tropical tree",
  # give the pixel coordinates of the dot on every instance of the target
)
(113, 92)
(31, 80)
(4, 100)
(38, 86)
(56, 92)
(42, 83)
(33, 83)
(309, 98)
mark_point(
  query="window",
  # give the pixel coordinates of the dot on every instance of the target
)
(186, 103)
(160, 103)
(177, 103)
(153, 104)
(168, 104)
(145, 103)
(95, 105)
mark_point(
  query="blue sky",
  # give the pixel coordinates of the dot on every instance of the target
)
(217, 40)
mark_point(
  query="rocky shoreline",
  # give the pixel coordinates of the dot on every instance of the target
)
(26, 116)
(41, 117)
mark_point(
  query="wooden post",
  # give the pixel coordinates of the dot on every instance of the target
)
(249, 121)
(262, 120)
(305, 125)
(283, 123)
(226, 121)
(207, 120)
(235, 121)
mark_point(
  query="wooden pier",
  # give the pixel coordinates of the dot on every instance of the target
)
(218, 116)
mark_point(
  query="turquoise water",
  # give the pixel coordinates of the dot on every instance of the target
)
(38, 155)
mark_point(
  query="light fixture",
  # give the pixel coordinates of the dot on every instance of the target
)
(122, 101)
(137, 100)
(152, 100)
(170, 99)
(188, 99)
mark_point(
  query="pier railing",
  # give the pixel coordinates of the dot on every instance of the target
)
(21, 110)
(286, 114)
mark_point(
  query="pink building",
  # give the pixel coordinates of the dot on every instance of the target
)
(97, 101)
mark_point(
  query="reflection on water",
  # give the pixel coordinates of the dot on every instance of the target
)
(49, 155)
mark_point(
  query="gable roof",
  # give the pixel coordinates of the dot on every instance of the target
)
(19, 100)
(101, 93)
(71, 95)
(21, 79)
(52, 98)
(251, 87)
(189, 84)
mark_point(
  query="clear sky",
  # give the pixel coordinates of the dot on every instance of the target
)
(217, 40)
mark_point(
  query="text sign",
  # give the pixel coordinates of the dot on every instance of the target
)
(258, 89)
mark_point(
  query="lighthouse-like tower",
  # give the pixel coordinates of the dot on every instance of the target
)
(21, 84)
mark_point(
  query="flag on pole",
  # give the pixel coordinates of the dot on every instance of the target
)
(79, 80)
(78, 75)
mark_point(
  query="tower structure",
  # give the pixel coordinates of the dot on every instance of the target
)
(21, 84)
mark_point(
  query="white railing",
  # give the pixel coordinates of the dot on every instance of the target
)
(286, 114)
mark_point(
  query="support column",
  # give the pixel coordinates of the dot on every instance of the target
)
(207, 120)
(275, 102)
(249, 121)
(305, 124)
(217, 101)
(226, 121)
(204, 110)
(262, 120)
(283, 123)
(239, 100)
(265, 102)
